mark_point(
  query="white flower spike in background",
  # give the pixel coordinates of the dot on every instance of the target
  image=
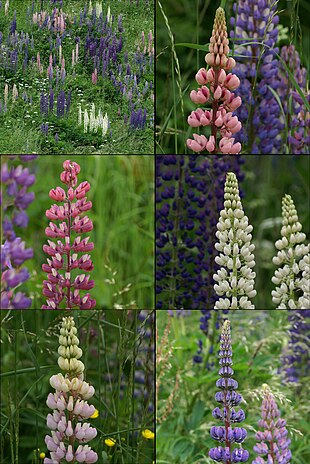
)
(292, 278)
(234, 281)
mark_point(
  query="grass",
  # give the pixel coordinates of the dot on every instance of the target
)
(26, 118)
(122, 214)
(258, 338)
(111, 349)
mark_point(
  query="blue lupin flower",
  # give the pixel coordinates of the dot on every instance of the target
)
(228, 398)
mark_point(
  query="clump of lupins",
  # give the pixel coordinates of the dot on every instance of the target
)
(189, 197)
(217, 87)
(15, 199)
(69, 404)
(273, 443)
(93, 123)
(292, 277)
(235, 278)
(296, 359)
(228, 398)
(63, 288)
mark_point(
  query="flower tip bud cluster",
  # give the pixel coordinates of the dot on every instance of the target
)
(219, 43)
(234, 281)
(228, 398)
(292, 259)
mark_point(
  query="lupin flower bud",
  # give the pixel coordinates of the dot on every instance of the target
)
(69, 404)
(292, 275)
(228, 398)
(234, 281)
(217, 87)
(64, 256)
(273, 443)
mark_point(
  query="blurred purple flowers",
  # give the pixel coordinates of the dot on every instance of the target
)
(296, 359)
(257, 70)
(229, 398)
(273, 443)
(15, 180)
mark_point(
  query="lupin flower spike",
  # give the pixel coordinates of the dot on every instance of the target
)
(229, 398)
(293, 259)
(62, 287)
(273, 441)
(69, 404)
(234, 281)
(216, 88)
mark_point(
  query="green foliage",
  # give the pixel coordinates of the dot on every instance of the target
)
(29, 343)
(258, 338)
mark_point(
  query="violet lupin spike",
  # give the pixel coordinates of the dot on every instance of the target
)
(61, 290)
(69, 404)
(273, 443)
(229, 398)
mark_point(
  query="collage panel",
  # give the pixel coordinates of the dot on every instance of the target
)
(77, 77)
(77, 386)
(231, 386)
(77, 232)
(232, 232)
(232, 77)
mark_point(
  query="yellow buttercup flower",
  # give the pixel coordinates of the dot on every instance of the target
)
(110, 441)
(148, 434)
(95, 415)
(42, 455)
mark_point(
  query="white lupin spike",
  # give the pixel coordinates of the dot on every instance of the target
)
(234, 281)
(292, 276)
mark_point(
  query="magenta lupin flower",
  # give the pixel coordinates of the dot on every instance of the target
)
(63, 286)
(69, 404)
(216, 89)
(273, 444)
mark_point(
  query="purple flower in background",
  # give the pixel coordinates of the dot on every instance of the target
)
(228, 398)
(296, 360)
(298, 123)
(179, 312)
(273, 443)
(260, 113)
(15, 181)
(189, 196)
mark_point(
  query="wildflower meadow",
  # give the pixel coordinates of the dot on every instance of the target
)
(76, 76)
(232, 77)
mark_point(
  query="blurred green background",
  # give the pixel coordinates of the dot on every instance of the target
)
(122, 214)
(191, 22)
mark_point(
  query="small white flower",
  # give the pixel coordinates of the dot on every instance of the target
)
(234, 281)
(292, 278)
